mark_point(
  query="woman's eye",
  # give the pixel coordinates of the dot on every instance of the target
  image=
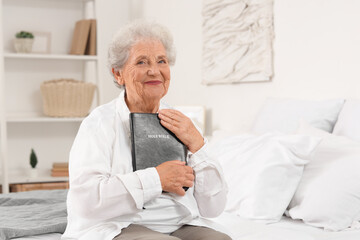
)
(162, 61)
(140, 62)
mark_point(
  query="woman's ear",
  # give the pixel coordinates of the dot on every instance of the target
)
(118, 77)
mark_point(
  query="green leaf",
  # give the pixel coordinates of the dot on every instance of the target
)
(24, 34)
(33, 159)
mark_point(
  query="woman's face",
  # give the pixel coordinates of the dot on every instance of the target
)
(146, 74)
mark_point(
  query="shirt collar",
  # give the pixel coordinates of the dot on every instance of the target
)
(124, 112)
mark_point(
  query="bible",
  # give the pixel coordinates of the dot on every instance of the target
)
(151, 143)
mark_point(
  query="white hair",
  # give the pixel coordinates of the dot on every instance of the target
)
(134, 32)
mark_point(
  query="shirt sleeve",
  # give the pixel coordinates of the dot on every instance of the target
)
(95, 192)
(210, 188)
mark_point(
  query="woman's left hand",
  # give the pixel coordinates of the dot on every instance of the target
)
(182, 127)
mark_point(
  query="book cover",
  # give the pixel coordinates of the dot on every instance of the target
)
(80, 37)
(60, 165)
(91, 44)
(151, 143)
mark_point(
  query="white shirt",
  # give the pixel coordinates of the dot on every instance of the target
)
(105, 194)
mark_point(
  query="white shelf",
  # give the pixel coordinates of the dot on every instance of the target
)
(39, 118)
(50, 56)
(38, 179)
(61, 0)
(44, 175)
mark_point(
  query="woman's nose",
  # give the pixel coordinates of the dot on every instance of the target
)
(153, 70)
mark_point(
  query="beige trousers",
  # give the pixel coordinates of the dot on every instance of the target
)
(186, 232)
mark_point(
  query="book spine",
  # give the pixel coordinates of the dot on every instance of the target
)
(60, 164)
(185, 154)
(131, 118)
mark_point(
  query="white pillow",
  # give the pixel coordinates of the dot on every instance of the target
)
(348, 123)
(328, 195)
(284, 115)
(262, 172)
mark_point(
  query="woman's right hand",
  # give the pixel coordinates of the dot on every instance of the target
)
(174, 175)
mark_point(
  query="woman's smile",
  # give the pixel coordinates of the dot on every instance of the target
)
(153, 82)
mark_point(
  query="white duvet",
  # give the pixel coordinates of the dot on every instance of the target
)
(285, 229)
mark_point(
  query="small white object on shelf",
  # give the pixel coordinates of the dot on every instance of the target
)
(33, 172)
(23, 45)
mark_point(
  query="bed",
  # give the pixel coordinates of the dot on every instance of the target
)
(244, 229)
(302, 182)
(33, 213)
(241, 229)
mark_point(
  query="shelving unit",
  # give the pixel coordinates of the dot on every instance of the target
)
(22, 124)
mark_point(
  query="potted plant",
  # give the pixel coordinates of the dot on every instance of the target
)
(33, 163)
(23, 42)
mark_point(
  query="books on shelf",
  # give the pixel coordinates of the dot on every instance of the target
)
(84, 38)
(60, 169)
(91, 45)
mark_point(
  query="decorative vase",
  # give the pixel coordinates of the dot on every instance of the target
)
(23, 45)
(33, 172)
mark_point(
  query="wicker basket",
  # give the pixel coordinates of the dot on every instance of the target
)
(67, 97)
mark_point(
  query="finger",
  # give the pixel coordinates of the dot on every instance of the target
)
(166, 113)
(190, 177)
(180, 191)
(189, 169)
(188, 183)
(172, 113)
(169, 120)
(178, 162)
(169, 126)
(178, 119)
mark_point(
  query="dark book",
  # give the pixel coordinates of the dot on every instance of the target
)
(151, 143)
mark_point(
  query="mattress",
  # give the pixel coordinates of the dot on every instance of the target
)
(242, 229)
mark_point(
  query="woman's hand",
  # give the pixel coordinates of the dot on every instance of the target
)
(174, 175)
(182, 127)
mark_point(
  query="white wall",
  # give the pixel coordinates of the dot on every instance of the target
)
(316, 56)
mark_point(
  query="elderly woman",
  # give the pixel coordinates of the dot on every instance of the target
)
(107, 199)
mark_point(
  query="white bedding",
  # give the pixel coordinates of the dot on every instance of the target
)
(286, 229)
(242, 229)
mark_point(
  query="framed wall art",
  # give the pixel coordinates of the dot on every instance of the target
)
(42, 42)
(237, 41)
